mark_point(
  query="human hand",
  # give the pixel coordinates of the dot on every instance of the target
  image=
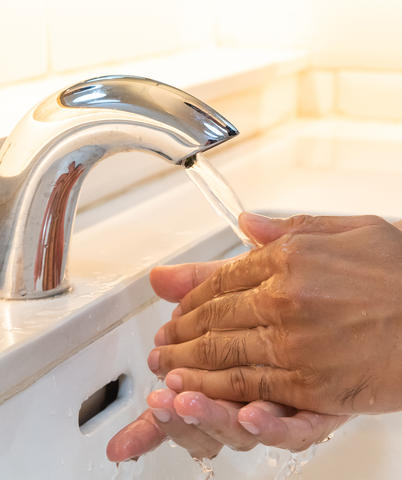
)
(312, 320)
(203, 426)
(280, 426)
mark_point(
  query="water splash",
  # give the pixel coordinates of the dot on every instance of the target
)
(129, 470)
(155, 384)
(288, 464)
(207, 470)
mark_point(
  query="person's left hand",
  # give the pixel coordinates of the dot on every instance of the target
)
(202, 426)
(311, 320)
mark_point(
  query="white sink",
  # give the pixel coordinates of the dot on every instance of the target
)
(55, 353)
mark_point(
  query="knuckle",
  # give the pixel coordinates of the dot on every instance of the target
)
(206, 350)
(264, 389)
(375, 219)
(239, 384)
(218, 281)
(289, 249)
(284, 292)
(208, 315)
(300, 221)
(234, 352)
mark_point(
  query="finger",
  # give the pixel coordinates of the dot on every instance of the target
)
(264, 229)
(199, 444)
(239, 310)
(244, 273)
(398, 224)
(217, 350)
(296, 432)
(261, 263)
(137, 438)
(216, 419)
(243, 384)
(172, 282)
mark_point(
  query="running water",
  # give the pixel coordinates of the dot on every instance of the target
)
(129, 470)
(218, 193)
(207, 470)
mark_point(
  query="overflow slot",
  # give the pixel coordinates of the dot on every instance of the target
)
(109, 397)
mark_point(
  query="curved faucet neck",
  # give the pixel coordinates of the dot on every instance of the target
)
(44, 161)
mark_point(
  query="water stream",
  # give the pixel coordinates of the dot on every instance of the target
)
(219, 194)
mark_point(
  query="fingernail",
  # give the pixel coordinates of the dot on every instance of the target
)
(191, 420)
(250, 427)
(161, 414)
(175, 382)
(153, 360)
(160, 337)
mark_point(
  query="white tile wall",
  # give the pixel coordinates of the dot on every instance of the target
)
(271, 24)
(317, 93)
(357, 33)
(39, 38)
(279, 101)
(257, 109)
(100, 31)
(22, 40)
(370, 95)
(369, 155)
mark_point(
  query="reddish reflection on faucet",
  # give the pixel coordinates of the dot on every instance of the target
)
(49, 255)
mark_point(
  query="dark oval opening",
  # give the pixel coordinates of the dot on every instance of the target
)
(100, 400)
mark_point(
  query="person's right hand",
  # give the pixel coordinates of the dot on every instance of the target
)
(218, 420)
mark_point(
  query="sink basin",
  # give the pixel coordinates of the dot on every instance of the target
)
(56, 353)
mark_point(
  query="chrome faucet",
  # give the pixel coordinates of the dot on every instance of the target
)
(47, 156)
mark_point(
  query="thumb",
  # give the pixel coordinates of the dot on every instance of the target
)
(265, 229)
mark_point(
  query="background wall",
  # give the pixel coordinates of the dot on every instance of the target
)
(355, 45)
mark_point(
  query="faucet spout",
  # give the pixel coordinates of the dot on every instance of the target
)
(47, 156)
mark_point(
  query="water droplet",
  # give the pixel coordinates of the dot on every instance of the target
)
(289, 463)
(207, 470)
(129, 470)
(304, 457)
(172, 444)
(273, 457)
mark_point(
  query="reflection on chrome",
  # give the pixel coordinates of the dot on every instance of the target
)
(47, 156)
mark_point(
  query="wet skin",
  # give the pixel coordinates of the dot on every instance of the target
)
(214, 422)
(312, 319)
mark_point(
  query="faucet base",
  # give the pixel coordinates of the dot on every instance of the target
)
(37, 295)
